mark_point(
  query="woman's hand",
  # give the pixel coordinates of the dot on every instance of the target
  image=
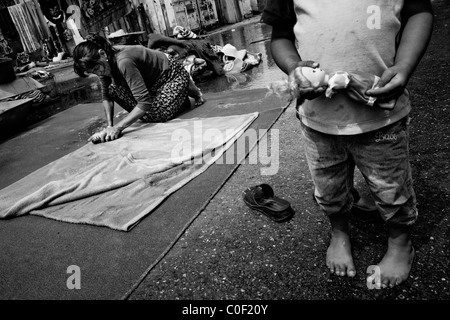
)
(113, 133)
(98, 137)
(110, 133)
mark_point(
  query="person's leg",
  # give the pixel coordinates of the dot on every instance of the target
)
(383, 159)
(195, 92)
(331, 168)
(397, 262)
(170, 94)
(339, 253)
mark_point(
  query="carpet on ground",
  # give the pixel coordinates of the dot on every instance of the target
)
(116, 184)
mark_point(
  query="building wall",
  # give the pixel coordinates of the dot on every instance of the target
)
(232, 11)
(208, 12)
(246, 8)
(186, 14)
(165, 15)
(156, 16)
(257, 5)
(171, 18)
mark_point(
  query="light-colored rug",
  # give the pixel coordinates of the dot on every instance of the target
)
(116, 184)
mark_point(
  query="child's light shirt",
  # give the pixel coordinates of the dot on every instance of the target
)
(343, 35)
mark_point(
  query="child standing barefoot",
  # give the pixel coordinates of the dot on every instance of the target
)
(379, 37)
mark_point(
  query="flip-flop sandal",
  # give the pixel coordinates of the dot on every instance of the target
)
(262, 199)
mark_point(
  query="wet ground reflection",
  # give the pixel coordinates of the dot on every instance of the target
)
(254, 38)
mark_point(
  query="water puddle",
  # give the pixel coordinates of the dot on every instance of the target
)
(254, 38)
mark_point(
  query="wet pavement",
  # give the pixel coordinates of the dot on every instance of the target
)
(254, 37)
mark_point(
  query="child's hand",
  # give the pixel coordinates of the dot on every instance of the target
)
(295, 78)
(392, 83)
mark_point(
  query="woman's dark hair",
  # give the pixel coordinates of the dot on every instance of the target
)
(86, 56)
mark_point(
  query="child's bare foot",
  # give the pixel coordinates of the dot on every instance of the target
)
(397, 262)
(339, 253)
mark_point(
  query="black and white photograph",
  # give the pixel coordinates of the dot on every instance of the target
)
(225, 158)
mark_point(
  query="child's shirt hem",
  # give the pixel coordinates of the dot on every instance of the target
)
(353, 128)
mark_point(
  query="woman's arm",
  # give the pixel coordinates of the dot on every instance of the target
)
(135, 81)
(109, 112)
(108, 104)
(112, 133)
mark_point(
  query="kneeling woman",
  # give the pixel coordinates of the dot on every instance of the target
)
(142, 81)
